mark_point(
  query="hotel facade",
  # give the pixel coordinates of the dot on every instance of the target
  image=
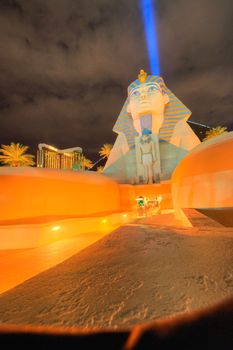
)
(54, 158)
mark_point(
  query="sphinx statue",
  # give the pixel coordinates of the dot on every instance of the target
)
(150, 105)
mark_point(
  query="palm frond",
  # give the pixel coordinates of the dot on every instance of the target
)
(14, 155)
(214, 132)
(105, 150)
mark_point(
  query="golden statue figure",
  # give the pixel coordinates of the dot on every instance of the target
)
(142, 76)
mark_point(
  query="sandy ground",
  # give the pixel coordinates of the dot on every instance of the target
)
(138, 273)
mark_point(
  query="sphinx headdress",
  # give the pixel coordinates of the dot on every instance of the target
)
(174, 111)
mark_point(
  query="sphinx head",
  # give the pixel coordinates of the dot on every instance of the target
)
(147, 98)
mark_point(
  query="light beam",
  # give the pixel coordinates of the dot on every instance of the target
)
(149, 21)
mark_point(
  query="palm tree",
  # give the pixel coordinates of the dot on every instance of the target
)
(214, 132)
(15, 155)
(100, 169)
(85, 163)
(105, 150)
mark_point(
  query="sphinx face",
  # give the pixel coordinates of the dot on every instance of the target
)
(147, 99)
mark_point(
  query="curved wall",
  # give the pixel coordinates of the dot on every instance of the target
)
(39, 193)
(204, 178)
(39, 206)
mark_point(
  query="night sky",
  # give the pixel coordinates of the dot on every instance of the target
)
(65, 65)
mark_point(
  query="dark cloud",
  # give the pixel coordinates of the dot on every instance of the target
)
(4, 102)
(11, 6)
(66, 64)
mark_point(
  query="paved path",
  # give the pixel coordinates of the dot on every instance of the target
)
(18, 265)
(138, 273)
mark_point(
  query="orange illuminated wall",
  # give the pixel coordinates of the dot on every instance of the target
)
(39, 206)
(34, 195)
(204, 178)
(54, 194)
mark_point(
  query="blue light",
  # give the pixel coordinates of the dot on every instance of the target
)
(150, 32)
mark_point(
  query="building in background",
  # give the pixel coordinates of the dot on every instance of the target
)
(54, 158)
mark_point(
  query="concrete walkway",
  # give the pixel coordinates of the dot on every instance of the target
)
(138, 273)
(17, 266)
